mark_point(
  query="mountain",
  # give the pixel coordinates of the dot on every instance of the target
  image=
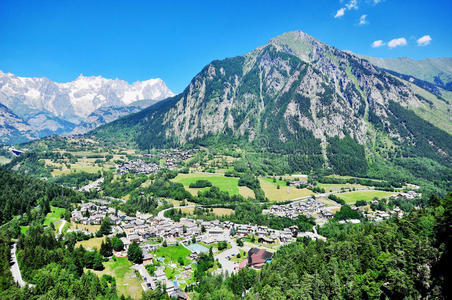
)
(296, 96)
(104, 115)
(437, 71)
(13, 129)
(57, 108)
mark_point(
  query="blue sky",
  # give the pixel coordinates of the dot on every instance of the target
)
(173, 40)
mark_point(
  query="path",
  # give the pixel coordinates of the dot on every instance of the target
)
(61, 227)
(15, 270)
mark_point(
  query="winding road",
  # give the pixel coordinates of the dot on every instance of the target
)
(15, 270)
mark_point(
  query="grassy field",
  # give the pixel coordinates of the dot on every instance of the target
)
(283, 193)
(218, 211)
(91, 243)
(24, 229)
(173, 253)
(55, 215)
(227, 184)
(352, 197)
(337, 187)
(89, 228)
(127, 283)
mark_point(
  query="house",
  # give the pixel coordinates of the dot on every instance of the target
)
(257, 258)
(264, 239)
(147, 258)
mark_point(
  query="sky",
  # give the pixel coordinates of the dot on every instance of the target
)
(174, 40)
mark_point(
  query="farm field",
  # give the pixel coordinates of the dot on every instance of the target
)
(283, 193)
(91, 243)
(127, 282)
(218, 211)
(352, 197)
(89, 228)
(174, 253)
(55, 215)
(226, 184)
(337, 187)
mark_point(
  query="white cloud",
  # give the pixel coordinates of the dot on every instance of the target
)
(353, 4)
(340, 13)
(377, 44)
(377, 1)
(362, 20)
(424, 41)
(397, 42)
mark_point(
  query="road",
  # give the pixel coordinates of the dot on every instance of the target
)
(227, 265)
(63, 222)
(15, 270)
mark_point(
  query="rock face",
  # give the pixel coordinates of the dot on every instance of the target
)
(293, 95)
(57, 108)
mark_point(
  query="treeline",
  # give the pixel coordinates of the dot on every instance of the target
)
(394, 259)
(19, 194)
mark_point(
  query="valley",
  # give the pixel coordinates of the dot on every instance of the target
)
(294, 171)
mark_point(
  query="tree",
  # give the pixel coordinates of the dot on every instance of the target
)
(118, 245)
(164, 244)
(106, 249)
(98, 265)
(193, 239)
(240, 242)
(105, 227)
(135, 253)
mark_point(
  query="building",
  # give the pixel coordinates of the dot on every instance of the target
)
(257, 258)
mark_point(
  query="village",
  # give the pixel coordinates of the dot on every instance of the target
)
(197, 236)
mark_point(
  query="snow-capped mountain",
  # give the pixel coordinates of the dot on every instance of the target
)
(57, 108)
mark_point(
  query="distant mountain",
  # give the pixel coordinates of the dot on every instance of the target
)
(434, 70)
(296, 96)
(13, 129)
(57, 108)
(108, 114)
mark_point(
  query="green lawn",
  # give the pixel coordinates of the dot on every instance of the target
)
(352, 197)
(24, 229)
(55, 215)
(127, 283)
(173, 253)
(227, 184)
(277, 182)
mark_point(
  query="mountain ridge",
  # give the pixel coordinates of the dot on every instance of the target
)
(295, 96)
(58, 108)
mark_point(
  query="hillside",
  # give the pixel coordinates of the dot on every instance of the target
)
(437, 71)
(319, 106)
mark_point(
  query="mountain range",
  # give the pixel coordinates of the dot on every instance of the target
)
(299, 97)
(49, 107)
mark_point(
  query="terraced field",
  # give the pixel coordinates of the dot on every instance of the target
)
(352, 197)
(284, 193)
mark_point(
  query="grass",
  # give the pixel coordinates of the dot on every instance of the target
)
(24, 229)
(127, 283)
(227, 184)
(174, 253)
(336, 187)
(352, 197)
(218, 211)
(283, 193)
(89, 228)
(55, 214)
(91, 243)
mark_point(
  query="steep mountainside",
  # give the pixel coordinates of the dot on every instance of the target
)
(13, 129)
(57, 108)
(434, 70)
(300, 97)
